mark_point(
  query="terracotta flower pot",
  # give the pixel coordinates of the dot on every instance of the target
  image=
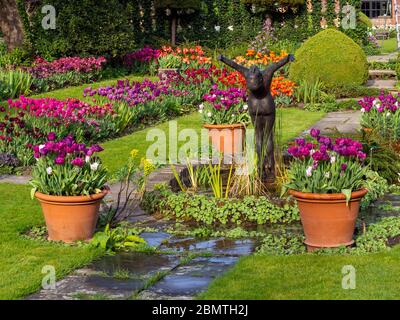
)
(227, 138)
(71, 218)
(327, 221)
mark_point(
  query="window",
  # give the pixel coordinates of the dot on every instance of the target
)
(377, 8)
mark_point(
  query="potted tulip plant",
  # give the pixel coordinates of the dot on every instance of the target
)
(69, 181)
(225, 116)
(327, 179)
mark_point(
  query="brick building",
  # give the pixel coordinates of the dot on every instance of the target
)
(381, 12)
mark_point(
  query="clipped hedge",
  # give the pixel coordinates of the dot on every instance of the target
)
(333, 58)
(83, 28)
(364, 19)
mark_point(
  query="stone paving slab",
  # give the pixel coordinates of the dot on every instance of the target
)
(383, 57)
(382, 84)
(346, 122)
(100, 277)
(187, 281)
(14, 179)
(220, 246)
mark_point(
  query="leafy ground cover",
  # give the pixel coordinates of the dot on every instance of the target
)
(22, 260)
(309, 277)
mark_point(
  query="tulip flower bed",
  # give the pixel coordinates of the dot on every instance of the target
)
(64, 72)
(259, 59)
(28, 121)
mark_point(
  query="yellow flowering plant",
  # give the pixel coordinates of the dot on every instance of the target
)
(132, 178)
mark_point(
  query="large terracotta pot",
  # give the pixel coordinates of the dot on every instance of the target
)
(227, 138)
(327, 220)
(71, 218)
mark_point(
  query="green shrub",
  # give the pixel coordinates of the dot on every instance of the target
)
(331, 57)
(362, 18)
(16, 57)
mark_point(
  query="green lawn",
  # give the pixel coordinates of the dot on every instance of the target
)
(309, 277)
(22, 260)
(388, 45)
(294, 121)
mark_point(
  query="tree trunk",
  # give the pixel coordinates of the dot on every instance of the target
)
(11, 24)
(174, 19)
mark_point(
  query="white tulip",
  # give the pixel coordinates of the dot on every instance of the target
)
(49, 170)
(245, 107)
(94, 166)
(209, 114)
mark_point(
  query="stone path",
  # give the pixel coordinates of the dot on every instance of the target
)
(383, 57)
(388, 84)
(345, 122)
(183, 268)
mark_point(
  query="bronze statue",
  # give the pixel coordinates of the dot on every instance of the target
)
(262, 110)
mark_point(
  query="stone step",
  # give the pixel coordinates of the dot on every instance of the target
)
(382, 74)
(382, 84)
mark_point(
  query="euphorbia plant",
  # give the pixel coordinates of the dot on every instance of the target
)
(225, 106)
(67, 168)
(326, 165)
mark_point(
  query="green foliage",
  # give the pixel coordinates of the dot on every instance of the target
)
(328, 177)
(398, 66)
(378, 236)
(377, 187)
(15, 58)
(177, 4)
(309, 92)
(364, 19)
(117, 239)
(67, 179)
(331, 57)
(62, 80)
(383, 160)
(132, 179)
(282, 245)
(354, 91)
(169, 61)
(14, 83)
(271, 3)
(83, 28)
(211, 211)
(350, 104)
